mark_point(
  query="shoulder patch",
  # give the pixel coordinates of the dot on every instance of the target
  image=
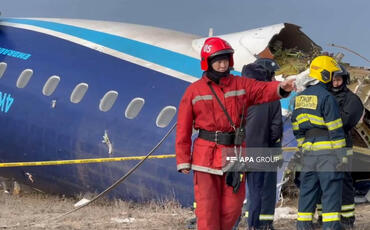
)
(306, 102)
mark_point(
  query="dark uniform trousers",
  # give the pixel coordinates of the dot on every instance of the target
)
(319, 173)
(348, 202)
(262, 190)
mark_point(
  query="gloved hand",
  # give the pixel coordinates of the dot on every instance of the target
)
(280, 162)
(296, 161)
(234, 180)
(342, 159)
(278, 153)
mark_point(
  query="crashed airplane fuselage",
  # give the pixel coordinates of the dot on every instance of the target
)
(78, 89)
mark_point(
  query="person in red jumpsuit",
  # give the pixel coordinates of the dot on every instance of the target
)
(218, 204)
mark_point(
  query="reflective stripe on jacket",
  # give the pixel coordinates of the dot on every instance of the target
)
(200, 109)
(315, 107)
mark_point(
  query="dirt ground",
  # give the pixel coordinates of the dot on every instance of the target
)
(41, 211)
(30, 210)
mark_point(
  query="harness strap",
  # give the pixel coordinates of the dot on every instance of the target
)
(222, 106)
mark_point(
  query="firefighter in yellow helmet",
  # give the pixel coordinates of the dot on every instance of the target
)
(351, 110)
(317, 126)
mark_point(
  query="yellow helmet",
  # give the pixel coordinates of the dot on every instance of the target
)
(323, 68)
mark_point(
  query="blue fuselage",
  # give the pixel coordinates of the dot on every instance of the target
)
(32, 130)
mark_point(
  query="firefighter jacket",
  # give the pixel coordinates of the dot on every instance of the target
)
(316, 107)
(199, 109)
(351, 110)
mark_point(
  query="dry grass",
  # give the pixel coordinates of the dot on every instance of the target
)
(31, 210)
(37, 211)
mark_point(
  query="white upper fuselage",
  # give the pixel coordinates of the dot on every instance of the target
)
(246, 44)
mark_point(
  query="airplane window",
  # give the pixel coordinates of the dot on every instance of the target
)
(108, 100)
(2, 68)
(79, 92)
(24, 78)
(134, 107)
(50, 85)
(165, 116)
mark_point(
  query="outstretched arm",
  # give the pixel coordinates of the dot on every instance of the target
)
(259, 92)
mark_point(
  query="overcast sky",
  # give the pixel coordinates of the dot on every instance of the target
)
(344, 22)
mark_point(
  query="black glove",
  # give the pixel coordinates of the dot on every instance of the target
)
(278, 154)
(296, 161)
(234, 180)
(280, 162)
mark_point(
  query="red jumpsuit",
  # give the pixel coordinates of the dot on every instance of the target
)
(217, 206)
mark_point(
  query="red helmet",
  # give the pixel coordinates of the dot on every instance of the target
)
(212, 47)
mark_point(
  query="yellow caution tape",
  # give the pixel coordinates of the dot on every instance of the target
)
(290, 149)
(115, 159)
(356, 149)
(82, 161)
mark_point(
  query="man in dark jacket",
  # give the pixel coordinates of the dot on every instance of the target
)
(264, 129)
(351, 110)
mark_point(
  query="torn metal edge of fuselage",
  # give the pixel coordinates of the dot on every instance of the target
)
(291, 37)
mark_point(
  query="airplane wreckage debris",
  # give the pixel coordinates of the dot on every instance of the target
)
(293, 61)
